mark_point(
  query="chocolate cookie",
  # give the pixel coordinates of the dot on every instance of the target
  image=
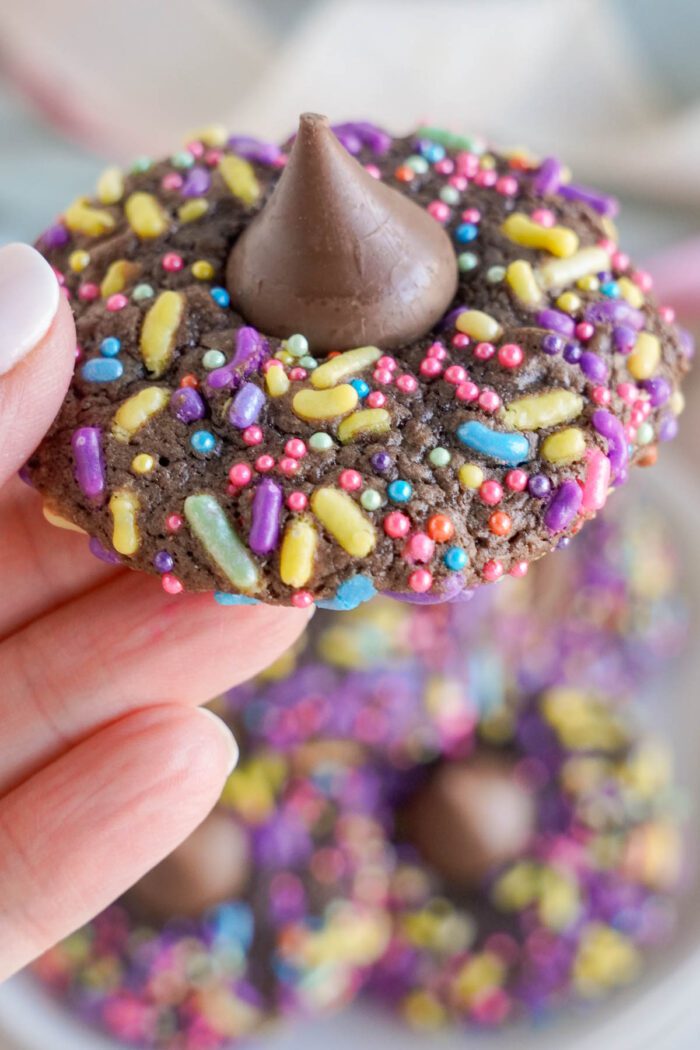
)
(452, 362)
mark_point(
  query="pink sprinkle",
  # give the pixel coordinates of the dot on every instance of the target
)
(264, 463)
(195, 148)
(643, 280)
(439, 211)
(297, 374)
(376, 399)
(173, 522)
(458, 182)
(297, 501)
(240, 474)
(507, 185)
(253, 435)
(544, 217)
(491, 493)
(295, 448)
(172, 262)
(170, 583)
(637, 417)
(486, 178)
(302, 599)
(489, 401)
(627, 391)
(213, 157)
(444, 166)
(516, 480)
(420, 581)
(584, 330)
(667, 314)
(407, 384)
(472, 215)
(382, 375)
(510, 355)
(350, 480)
(171, 181)
(289, 466)
(492, 571)
(601, 395)
(607, 245)
(519, 569)
(455, 374)
(430, 367)
(437, 350)
(630, 432)
(467, 164)
(484, 351)
(389, 363)
(396, 525)
(87, 292)
(620, 261)
(116, 302)
(460, 340)
(467, 391)
(419, 548)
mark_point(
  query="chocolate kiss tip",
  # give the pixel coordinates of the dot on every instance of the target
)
(339, 256)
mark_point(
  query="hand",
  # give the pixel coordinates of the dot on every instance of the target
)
(106, 763)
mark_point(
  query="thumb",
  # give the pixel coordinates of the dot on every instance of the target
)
(37, 351)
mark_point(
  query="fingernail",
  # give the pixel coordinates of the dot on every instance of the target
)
(227, 735)
(29, 296)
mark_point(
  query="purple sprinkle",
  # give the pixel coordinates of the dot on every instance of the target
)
(56, 236)
(102, 553)
(593, 367)
(687, 342)
(251, 351)
(615, 311)
(552, 344)
(557, 321)
(349, 140)
(668, 428)
(453, 586)
(187, 405)
(381, 461)
(255, 149)
(86, 443)
(163, 561)
(659, 390)
(624, 338)
(197, 183)
(609, 427)
(548, 177)
(247, 406)
(265, 525)
(539, 486)
(563, 506)
(450, 318)
(572, 353)
(601, 202)
(367, 134)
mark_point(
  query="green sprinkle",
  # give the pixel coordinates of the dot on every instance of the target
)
(215, 532)
(645, 434)
(141, 292)
(214, 359)
(451, 140)
(417, 164)
(141, 164)
(320, 442)
(308, 362)
(297, 345)
(495, 274)
(183, 159)
(371, 499)
(439, 457)
(449, 195)
(467, 261)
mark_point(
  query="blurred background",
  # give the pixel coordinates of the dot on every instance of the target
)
(612, 85)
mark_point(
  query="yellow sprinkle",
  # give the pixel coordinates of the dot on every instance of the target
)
(562, 272)
(478, 975)
(589, 283)
(677, 402)
(631, 292)
(159, 330)
(276, 381)
(478, 325)
(566, 446)
(133, 413)
(78, 260)
(284, 356)
(123, 506)
(560, 902)
(644, 359)
(655, 855)
(81, 217)
(145, 215)
(202, 270)
(581, 721)
(298, 552)
(119, 274)
(59, 522)
(370, 422)
(605, 959)
(569, 302)
(342, 517)
(143, 463)
(517, 887)
(240, 178)
(213, 135)
(423, 1010)
(543, 410)
(470, 476)
(344, 365)
(192, 210)
(521, 278)
(325, 404)
(557, 240)
(110, 186)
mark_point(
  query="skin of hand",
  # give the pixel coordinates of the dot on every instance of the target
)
(106, 761)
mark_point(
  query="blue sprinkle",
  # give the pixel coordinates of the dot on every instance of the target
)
(503, 446)
(102, 370)
(222, 598)
(400, 491)
(203, 441)
(455, 559)
(360, 386)
(466, 232)
(611, 289)
(350, 594)
(233, 922)
(432, 151)
(110, 346)
(220, 297)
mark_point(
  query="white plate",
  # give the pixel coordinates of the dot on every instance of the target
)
(662, 1006)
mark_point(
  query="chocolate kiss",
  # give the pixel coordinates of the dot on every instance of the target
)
(211, 866)
(339, 256)
(469, 818)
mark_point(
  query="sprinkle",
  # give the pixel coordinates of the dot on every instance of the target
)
(276, 381)
(369, 422)
(81, 217)
(213, 359)
(186, 404)
(119, 274)
(557, 240)
(143, 463)
(342, 517)
(371, 499)
(521, 278)
(478, 325)
(564, 447)
(537, 411)
(338, 368)
(563, 506)
(110, 186)
(597, 481)
(325, 404)
(192, 210)
(124, 506)
(320, 442)
(600, 202)
(102, 370)
(146, 216)
(504, 447)
(246, 406)
(240, 179)
(440, 457)
(611, 428)
(86, 443)
(136, 411)
(396, 525)
(563, 272)
(645, 357)
(455, 558)
(219, 539)
(159, 331)
(298, 552)
(110, 346)
(548, 177)
(471, 476)
(400, 491)
(265, 518)
(203, 441)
